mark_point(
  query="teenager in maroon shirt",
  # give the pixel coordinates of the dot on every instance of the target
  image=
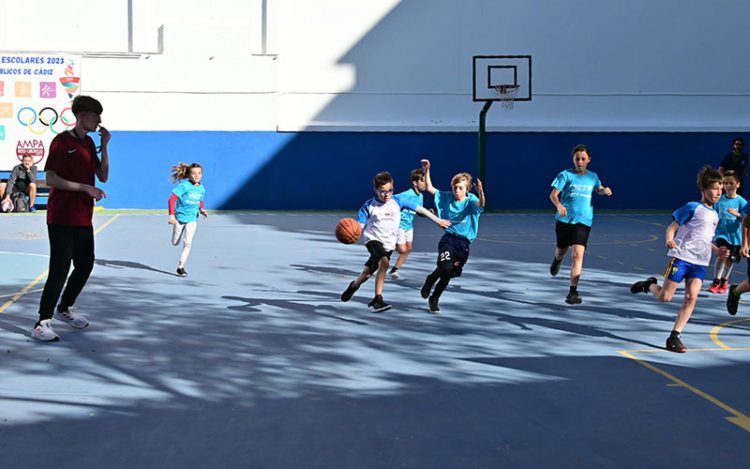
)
(71, 169)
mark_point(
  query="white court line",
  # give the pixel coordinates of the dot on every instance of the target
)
(24, 253)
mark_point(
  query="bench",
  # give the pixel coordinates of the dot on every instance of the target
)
(42, 189)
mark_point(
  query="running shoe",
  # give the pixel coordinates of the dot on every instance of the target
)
(71, 318)
(573, 298)
(181, 272)
(349, 292)
(432, 302)
(642, 286)
(378, 305)
(733, 300)
(44, 332)
(554, 268)
(674, 344)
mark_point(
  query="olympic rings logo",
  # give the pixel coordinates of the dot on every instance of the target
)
(47, 116)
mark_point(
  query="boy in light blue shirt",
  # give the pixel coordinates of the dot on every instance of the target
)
(404, 244)
(728, 231)
(462, 209)
(571, 195)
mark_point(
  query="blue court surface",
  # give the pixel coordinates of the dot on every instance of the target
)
(253, 361)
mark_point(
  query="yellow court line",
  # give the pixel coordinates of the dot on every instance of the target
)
(715, 332)
(41, 276)
(737, 418)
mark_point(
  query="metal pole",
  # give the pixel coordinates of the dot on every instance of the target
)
(482, 157)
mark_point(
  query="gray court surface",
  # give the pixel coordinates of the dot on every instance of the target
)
(254, 362)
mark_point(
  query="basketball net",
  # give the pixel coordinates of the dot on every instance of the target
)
(507, 94)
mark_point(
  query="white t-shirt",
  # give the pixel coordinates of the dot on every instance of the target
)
(381, 220)
(697, 227)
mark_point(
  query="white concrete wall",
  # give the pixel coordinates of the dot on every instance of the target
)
(397, 64)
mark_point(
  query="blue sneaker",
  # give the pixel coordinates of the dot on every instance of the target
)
(32, 209)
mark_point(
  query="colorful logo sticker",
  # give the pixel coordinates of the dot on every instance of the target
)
(6, 110)
(31, 146)
(23, 89)
(70, 82)
(47, 89)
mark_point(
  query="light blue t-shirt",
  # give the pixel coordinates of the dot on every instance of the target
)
(730, 226)
(189, 202)
(575, 195)
(407, 214)
(464, 215)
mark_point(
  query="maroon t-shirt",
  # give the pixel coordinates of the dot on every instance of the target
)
(73, 159)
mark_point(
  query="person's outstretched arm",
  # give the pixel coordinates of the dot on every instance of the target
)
(427, 179)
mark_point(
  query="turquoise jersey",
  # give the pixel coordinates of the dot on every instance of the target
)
(464, 215)
(189, 203)
(575, 195)
(407, 214)
(730, 226)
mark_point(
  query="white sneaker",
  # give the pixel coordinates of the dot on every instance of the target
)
(44, 332)
(396, 276)
(70, 317)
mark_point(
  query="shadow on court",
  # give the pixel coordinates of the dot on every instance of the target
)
(253, 361)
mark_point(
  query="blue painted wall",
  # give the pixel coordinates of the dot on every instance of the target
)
(333, 170)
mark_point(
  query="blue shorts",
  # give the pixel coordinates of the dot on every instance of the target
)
(677, 270)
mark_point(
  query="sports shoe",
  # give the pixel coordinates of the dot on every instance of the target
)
(733, 300)
(573, 298)
(714, 288)
(432, 302)
(349, 292)
(44, 332)
(395, 275)
(554, 268)
(32, 209)
(378, 305)
(181, 272)
(723, 287)
(427, 287)
(70, 317)
(674, 344)
(643, 286)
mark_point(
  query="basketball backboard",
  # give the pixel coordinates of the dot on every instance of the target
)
(490, 71)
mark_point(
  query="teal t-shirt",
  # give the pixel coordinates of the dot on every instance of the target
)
(407, 214)
(575, 195)
(730, 226)
(464, 215)
(189, 201)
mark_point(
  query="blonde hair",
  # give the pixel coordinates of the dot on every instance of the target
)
(182, 171)
(463, 177)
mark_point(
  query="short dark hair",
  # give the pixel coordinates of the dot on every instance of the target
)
(86, 104)
(730, 173)
(708, 176)
(580, 147)
(382, 179)
(739, 139)
(417, 174)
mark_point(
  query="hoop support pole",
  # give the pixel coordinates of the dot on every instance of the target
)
(482, 144)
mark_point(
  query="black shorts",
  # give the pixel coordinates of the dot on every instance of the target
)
(377, 252)
(19, 186)
(456, 249)
(569, 234)
(734, 251)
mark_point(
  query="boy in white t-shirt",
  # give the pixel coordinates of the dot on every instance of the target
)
(688, 238)
(380, 217)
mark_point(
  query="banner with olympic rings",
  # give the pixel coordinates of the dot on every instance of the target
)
(36, 91)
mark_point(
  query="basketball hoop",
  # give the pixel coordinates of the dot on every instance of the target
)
(507, 94)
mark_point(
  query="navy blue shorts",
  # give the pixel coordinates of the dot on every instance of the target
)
(677, 270)
(454, 248)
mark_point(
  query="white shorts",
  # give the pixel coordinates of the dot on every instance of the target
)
(405, 236)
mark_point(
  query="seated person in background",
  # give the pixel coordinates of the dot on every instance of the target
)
(23, 179)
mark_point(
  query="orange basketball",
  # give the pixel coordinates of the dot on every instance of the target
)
(348, 230)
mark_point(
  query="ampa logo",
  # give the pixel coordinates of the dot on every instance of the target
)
(33, 147)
